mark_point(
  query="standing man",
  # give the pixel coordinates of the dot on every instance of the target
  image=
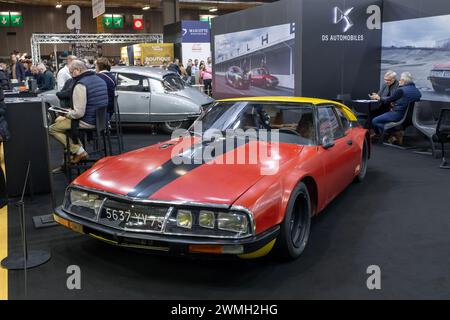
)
(195, 72)
(387, 89)
(103, 68)
(89, 94)
(64, 74)
(17, 70)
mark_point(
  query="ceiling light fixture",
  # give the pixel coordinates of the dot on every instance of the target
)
(213, 9)
(58, 5)
(147, 6)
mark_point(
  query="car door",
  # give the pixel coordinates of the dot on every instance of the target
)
(336, 151)
(134, 97)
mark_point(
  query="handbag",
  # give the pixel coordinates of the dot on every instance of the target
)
(5, 135)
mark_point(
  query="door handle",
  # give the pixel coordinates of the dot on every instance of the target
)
(350, 142)
(145, 97)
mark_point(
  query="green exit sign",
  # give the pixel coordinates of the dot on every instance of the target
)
(16, 19)
(113, 21)
(11, 19)
(5, 21)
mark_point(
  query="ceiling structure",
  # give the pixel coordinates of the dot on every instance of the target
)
(225, 5)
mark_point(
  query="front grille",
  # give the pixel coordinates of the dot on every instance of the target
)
(133, 217)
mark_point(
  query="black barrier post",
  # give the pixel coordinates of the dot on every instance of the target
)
(28, 259)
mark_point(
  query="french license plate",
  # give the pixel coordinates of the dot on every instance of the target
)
(132, 217)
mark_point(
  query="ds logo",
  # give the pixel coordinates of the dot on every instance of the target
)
(343, 16)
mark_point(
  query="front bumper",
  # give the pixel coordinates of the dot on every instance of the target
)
(252, 247)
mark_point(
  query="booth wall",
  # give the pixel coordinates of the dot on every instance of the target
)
(323, 67)
(266, 22)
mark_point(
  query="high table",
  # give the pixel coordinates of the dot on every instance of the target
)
(27, 122)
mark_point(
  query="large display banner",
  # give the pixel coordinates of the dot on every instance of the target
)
(147, 54)
(154, 54)
(420, 46)
(255, 62)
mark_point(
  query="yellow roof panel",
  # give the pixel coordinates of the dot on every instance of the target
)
(346, 109)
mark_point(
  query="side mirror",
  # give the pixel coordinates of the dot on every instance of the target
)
(327, 142)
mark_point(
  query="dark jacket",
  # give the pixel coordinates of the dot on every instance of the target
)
(65, 95)
(387, 91)
(2, 105)
(4, 80)
(110, 81)
(4, 131)
(403, 96)
(20, 71)
(47, 81)
(174, 68)
(97, 94)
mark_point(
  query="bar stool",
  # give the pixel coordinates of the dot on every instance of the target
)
(100, 132)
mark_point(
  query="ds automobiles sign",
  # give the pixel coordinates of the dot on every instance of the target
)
(345, 17)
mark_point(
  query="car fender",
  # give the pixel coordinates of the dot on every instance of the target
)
(268, 198)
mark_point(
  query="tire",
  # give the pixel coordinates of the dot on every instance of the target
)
(170, 126)
(364, 161)
(438, 88)
(296, 225)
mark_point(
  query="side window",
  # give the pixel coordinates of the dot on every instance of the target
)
(329, 124)
(157, 86)
(344, 120)
(132, 82)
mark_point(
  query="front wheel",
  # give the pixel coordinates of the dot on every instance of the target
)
(296, 225)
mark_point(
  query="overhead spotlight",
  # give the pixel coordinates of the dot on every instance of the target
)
(146, 8)
(58, 5)
(213, 10)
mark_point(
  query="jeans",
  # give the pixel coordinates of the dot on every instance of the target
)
(391, 116)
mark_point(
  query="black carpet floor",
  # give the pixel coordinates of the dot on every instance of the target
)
(397, 219)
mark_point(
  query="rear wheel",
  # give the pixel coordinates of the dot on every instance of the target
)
(438, 88)
(170, 126)
(296, 225)
(364, 160)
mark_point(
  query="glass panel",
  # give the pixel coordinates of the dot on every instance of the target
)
(132, 82)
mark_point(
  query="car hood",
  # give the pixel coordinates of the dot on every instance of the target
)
(195, 95)
(156, 173)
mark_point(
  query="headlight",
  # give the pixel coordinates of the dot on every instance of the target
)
(184, 219)
(209, 223)
(206, 219)
(84, 199)
(232, 222)
(82, 203)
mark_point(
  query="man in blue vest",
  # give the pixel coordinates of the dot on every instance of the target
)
(89, 94)
(400, 100)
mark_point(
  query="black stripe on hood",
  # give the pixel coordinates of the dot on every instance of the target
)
(170, 171)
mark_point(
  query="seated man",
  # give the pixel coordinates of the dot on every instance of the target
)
(387, 89)
(89, 94)
(47, 81)
(401, 98)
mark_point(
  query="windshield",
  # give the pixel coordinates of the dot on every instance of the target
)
(295, 122)
(173, 82)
